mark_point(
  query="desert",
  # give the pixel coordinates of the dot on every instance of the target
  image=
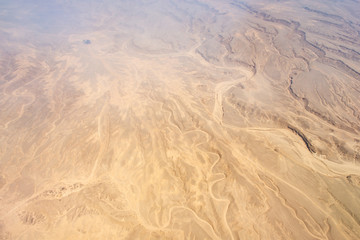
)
(183, 119)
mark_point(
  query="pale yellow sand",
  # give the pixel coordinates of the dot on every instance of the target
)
(181, 120)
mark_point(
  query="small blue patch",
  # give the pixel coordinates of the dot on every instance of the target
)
(86, 41)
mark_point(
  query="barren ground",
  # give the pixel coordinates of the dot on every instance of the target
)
(180, 119)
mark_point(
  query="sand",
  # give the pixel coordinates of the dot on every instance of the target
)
(180, 119)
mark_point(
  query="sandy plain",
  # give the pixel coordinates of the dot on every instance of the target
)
(180, 119)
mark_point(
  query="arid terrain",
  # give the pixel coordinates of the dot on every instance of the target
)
(179, 119)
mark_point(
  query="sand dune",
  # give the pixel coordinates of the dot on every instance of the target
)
(180, 119)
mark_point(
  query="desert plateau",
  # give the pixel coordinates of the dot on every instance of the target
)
(180, 119)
